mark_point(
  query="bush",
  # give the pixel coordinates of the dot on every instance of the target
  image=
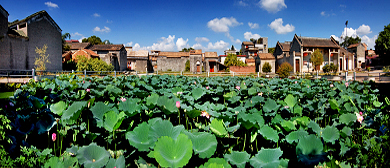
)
(93, 64)
(69, 65)
(333, 67)
(284, 70)
(187, 69)
(326, 68)
(267, 67)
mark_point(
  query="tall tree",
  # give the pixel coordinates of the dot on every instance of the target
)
(382, 44)
(317, 58)
(93, 40)
(232, 60)
(350, 40)
(187, 49)
(65, 47)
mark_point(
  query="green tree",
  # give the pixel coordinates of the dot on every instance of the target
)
(65, 47)
(187, 49)
(284, 70)
(42, 59)
(92, 64)
(350, 40)
(93, 40)
(271, 50)
(266, 67)
(187, 69)
(232, 60)
(382, 44)
(317, 58)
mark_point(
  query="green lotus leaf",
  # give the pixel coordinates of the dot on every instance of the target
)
(235, 99)
(112, 120)
(309, 145)
(290, 100)
(243, 85)
(140, 138)
(257, 99)
(288, 125)
(53, 162)
(229, 95)
(193, 113)
(252, 91)
(113, 89)
(175, 90)
(298, 110)
(197, 93)
(117, 163)
(151, 101)
(168, 105)
(266, 158)
(269, 133)
(237, 158)
(93, 156)
(346, 131)
(270, 106)
(343, 148)
(347, 118)
(216, 162)
(58, 107)
(303, 121)
(99, 109)
(73, 112)
(160, 128)
(218, 127)
(295, 136)
(173, 153)
(333, 104)
(330, 134)
(130, 107)
(377, 104)
(205, 150)
(315, 127)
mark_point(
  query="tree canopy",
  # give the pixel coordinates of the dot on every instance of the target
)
(317, 58)
(271, 50)
(65, 47)
(93, 40)
(187, 49)
(382, 44)
(232, 60)
(350, 40)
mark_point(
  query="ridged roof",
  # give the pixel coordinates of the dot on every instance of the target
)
(107, 47)
(78, 46)
(318, 42)
(37, 14)
(211, 55)
(266, 56)
(174, 54)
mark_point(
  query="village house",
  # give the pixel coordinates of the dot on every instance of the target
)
(139, 61)
(84, 52)
(223, 57)
(20, 38)
(301, 49)
(172, 61)
(282, 52)
(113, 54)
(251, 49)
(211, 61)
(359, 50)
(267, 57)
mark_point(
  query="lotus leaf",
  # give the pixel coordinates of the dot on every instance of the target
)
(343, 149)
(140, 137)
(288, 125)
(203, 143)
(58, 107)
(117, 163)
(173, 153)
(45, 123)
(270, 106)
(99, 109)
(218, 127)
(269, 133)
(112, 120)
(315, 127)
(237, 158)
(298, 110)
(73, 111)
(130, 107)
(330, 134)
(151, 101)
(160, 128)
(309, 145)
(346, 131)
(168, 105)
(290, 100)
(295, 136)
(93, 156)
(334, 104)
(252, 91)
(267, 158)
(197, 93)
(216, 162)
(347, 118)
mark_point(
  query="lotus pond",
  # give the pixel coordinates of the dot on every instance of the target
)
(179, 121)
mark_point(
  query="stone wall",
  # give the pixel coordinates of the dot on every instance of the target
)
(194, 59)
(14, 53)
(3, 25)
(123, 59)
(271, 62)
(174, 64)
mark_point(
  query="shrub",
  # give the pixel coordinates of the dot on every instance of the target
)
(69, 65)
(267, 67)
(326, 68)
(232, 60)
(333, 67)
(284, 70)
(93, 64)
(187, 69)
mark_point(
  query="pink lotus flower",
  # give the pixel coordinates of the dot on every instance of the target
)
(260, 94)
(361, 113)
(286, 107)
(88, 90)
(178, 104)
(83, 81)
(179, 93)
(123, 99)
(53, 137)
(205, 114)
(195, 82)
(331, 85)
(207, 87)
(359, 117)
(244, 83)
(346, 84)
(238, 87)
(262, 84)
(296, 82)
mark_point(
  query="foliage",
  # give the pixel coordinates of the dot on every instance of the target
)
(329, 68)
(65, 47)
(176, 121)
(92, 64)
(382, 43)
(187, 49)
(266, 67)
(350, 40)
(232, 60)
(42, 59)
(317, 58)
(187, 68)
(284, 70)
(271, 50)
(69, 65)
(93, 40)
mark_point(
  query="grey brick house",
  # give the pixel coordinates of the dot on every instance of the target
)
(19, 39)
(112, 54)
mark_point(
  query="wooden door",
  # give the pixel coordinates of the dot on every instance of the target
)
(297, 67)
(197, 68)
(341, 64)
(211, 67)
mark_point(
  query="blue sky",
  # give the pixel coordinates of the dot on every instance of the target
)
(215, 25)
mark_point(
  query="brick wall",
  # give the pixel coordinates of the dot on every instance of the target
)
(243, 69)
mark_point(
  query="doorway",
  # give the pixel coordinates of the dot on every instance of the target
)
(297, 66)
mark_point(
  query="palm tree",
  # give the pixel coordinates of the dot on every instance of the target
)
(64, 45)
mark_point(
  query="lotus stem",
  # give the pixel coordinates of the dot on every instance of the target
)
(54, 147)
(179, 115)
(243, 148)
(186, 121)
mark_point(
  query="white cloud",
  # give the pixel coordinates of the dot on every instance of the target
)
(219, 45)
(109, 21)
(336, 38)
(223, 24)
(76, 34)
(201, 39)
(166, 44)
(323, 13)
(238, 41)
(369, 41)
(198, 46)
(98, 29)
(181, 43)
(350, 32)
(277, 25)
(129, 44)
(363, 29)
(96, 15)
(51, 4)
(272, 6)
(253, 25)
(232, 38)
(81, 39)
(242, 3)
(249, 35)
